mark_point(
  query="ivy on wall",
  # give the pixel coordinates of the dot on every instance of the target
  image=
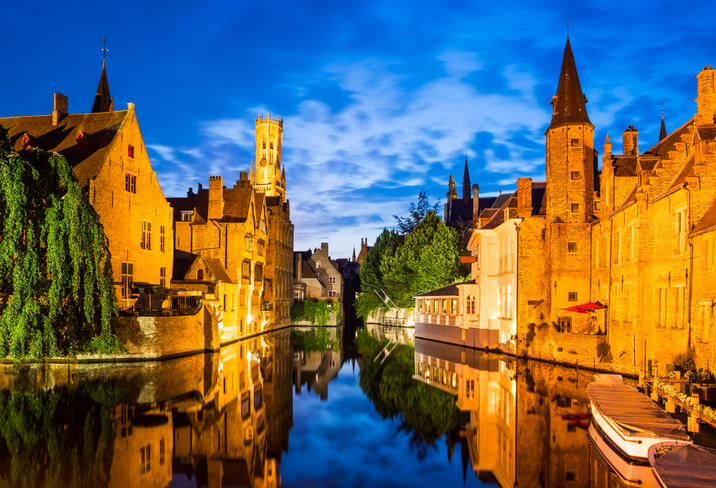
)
(315, 312)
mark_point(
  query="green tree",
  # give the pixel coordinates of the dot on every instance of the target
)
(428, 259)
(56, 293)
(416, 213)
(371, 277)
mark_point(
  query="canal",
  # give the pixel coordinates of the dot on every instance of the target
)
(318, 407)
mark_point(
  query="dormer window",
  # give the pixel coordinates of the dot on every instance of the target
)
(81, 142)
(186, 215)
(27, 141)
(130, 151)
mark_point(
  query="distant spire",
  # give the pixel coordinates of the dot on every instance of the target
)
(251, 173)
(354, 253)
(569, 103)
(662, 133)
(103, 100)
(466, 182)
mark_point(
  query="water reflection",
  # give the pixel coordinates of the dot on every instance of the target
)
(223, 419)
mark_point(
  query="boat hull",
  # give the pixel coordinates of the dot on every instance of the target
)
(632, 473)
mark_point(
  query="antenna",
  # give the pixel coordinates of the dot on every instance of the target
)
(104, 47)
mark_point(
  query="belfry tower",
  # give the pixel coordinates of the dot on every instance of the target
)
(270, 179)
(571, 172)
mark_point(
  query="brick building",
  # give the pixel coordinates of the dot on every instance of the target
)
(107, 151)
(317, 276)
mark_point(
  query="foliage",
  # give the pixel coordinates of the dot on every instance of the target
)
(55, 272)
(371, 277)
(686, 361)
(604, 352)
(56, 438)
(313, 311)
(688, 401)
(426, 413)
(416, 214)
(427, 260)
(317, 339)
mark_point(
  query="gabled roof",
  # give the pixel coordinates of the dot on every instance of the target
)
(570, 102)
(217, 270)
(499, 216)
(237, 204)
(461, 208)
(667, 144)
(707, 222)
(99, 130)
(307, 272)
(624, 165)
(445, 291)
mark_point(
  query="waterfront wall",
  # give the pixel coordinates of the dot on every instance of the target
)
(400, 316)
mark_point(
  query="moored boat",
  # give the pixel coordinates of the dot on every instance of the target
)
(683, 465)
(631, 473)
(630, 420)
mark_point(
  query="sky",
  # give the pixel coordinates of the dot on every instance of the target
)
(380, 99)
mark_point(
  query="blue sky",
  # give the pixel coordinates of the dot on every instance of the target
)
(380, 99)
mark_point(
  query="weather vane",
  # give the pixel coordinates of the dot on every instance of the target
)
(104, 47)
(662, 107)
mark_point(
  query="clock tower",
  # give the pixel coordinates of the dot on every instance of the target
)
(270, 177)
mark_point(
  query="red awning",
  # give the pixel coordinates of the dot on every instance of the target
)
(584, 308)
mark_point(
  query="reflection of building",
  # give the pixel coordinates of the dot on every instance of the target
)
(317, 369)
(485, 388)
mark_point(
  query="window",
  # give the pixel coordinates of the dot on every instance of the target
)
(444, 305)
(596, 252)
(470, 389)
(200, 274)
(572, 296)
(453, 306)
(127, 273)
(681, 231)
(146, 241)
(130, 183)
(706, 328)
(470, 304)
(709, 250)
(242, 298)
(186, 215)
(575, 142)
(564, 325)
(331, 293)
(258, 272)
(260, 248)
(318, 264)
(627, 296)
(575, 207)
(246, 270)
(662, 306)
(575, 175)
(632, 242)
(619, 247)
(249, 242)
(617, 303)
(146, 459)
(680, 307)
(161, 238)
(509, 302)
(162, 277)
(263, 226)
(572, 246)
(332, 279)
(161, 451)
(500, 292)
(130, 151)
(81, 142)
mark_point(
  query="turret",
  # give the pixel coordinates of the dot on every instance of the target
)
(706, 100)
(630, 141)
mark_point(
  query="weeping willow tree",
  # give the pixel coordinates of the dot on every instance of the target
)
(56, 293)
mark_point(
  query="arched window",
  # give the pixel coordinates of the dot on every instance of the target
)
(200, 274)
(264, 144)
(271, 144)
(470, 305)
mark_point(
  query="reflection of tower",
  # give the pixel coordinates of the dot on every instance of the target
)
(270, 176)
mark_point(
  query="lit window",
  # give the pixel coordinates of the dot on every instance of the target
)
(246, 270)
(127, 272)
(161, 238)
(186, 215)
(263, 226)
(332, 279)
(470, 304)
(130, 183)
(81, 142)
(146, 240)
(681, 231)
(130, 151)
(249, 242)
(162, 277)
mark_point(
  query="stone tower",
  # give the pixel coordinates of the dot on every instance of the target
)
(570, 149)
(269, 177)
(571, 171)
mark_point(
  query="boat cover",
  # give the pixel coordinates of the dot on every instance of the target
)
(687, 467)
(633, 411)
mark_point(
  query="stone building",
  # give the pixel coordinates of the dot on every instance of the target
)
(234, 246)
(612, 265)
(107, 151)
(317, 276)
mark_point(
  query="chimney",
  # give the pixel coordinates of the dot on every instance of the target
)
(324, 248)
(629, 138)
(190, 193)
(60, 110)
(299, 264)
(524, 197)
(608, 148)
(475, 202)
(706, 100)
(216, 198)
(201, 186)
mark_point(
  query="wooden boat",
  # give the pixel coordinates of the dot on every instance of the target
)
(683, 465)
(630, 472)
(631, 422)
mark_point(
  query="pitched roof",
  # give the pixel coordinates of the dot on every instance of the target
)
(707, 222)
(218, 270)
(461, 208)
(498, 217)
(569, 103)
(102, 100)
(662, 132)
(445, 291)
(99, 130)
(624, 165)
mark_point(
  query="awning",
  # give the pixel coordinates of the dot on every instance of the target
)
(588, 307)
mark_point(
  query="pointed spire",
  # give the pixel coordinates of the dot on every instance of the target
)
(103, 101)
(569, 103)
(251, 173)
(354, 254)
(466, 182)
(662, 133)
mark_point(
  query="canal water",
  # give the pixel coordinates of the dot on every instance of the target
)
(304, 407)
